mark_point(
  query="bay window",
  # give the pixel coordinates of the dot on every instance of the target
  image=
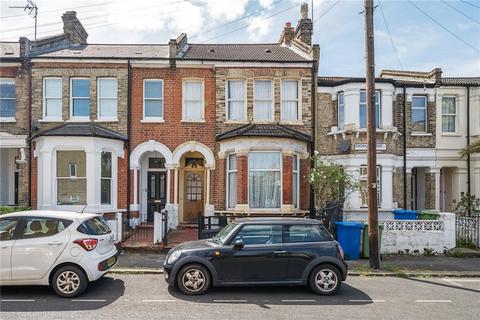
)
(449, 114)
(8, 100)
(153, 99)
(295, 181)
(363, 108)
(290, 100)
(264, 179)
(419, 114)
(71, 178)
(236, 97)
(232, 181)
(106, 178)
(340, 110)
(52, 98)
(263, 101)
(80, 98)
(107, 98)
(193, 102)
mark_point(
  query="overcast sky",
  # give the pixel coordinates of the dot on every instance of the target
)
(421, 44)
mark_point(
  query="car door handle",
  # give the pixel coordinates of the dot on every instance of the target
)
(55, 243)
(280, 252)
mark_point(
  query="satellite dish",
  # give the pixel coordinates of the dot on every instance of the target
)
(344, 146)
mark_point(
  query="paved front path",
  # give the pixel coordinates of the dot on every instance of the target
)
(148, 297)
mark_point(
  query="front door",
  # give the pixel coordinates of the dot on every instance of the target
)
(157, 193)
(193, 196)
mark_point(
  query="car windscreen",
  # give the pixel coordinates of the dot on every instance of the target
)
(222, 235)
(95, 226)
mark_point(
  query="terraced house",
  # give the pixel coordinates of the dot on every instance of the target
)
(194, 128)
(421, 127)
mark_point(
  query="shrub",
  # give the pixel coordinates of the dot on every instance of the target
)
(10, 209)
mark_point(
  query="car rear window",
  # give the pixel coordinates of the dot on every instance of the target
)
(94, 226)
(305, 233)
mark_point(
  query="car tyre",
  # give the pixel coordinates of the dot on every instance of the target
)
(193, 279)
(325, 280)
(69, 281)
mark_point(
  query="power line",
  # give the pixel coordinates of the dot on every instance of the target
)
(59, 10)
(463, 14)
(473, 5)
(326, 11)
(390, 35)
(245, 25)
(443, 27)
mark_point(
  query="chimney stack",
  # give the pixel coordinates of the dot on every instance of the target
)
(304, 29)
(73, 29)
(288, 34)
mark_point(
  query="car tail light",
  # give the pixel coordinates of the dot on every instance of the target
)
(87, 244)
(342, 254)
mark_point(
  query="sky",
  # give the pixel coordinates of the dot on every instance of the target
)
(405, 37)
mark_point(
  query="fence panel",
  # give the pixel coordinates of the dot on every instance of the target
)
(468, 231)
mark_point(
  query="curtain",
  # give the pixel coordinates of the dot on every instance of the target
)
(264, 180)
(289, 100)
(232, 181)
(236, 100)
(193, 100)
(107, 97)
(262, 109)
(448, 114)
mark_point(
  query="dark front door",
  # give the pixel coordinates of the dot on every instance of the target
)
(157, 193)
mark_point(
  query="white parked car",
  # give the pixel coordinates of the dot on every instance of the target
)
(66, 250)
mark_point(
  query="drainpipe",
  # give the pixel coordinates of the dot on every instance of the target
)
(29, 123)
(312, 148)
(129, 125)
(468, 155)
(405, 147)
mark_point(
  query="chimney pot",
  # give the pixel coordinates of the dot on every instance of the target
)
(288, 25)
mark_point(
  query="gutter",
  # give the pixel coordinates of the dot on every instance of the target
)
(129, 125)
(404, 147)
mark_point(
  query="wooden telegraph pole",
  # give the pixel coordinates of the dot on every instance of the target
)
(371, 137)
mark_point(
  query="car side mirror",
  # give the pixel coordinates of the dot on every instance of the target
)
(238, 244)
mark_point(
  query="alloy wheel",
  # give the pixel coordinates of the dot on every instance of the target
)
(326, 280)
(68, 282)
(193, 280)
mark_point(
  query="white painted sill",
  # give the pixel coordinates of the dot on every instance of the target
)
(292, 123)
(192, 121)
(452, 134)
(106, 120)
(83, 119)
(8, 120)
(421, 134)
(51, 120)
(236, 122)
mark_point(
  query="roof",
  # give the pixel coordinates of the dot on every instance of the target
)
(111, 51)
(9, 49)
(461, 81)
(269, 52)
(264, 130)
(49, 214)
(277, 220)
(83, 130)
(336, 81)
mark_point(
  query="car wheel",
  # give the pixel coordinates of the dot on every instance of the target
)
(69, 282)
(193, 279)
(325, 280)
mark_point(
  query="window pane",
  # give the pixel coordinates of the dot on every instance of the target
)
(81, 107)
(289, 110)
(94, 226)
(264, 189)
(232, 162)
(289, 90)
(341, 111)
(232, 189)
(236, 90)
(108, 107)
(65, 158)
(295, 190)
(305, 233)
(42, 227)
(107, 88)
(236, 110)
(264, 160)
(153, 89)
(53, 107)
(7, 108)
(7, 228)
(7, 89)
(153, 108)
(418, 120)
(363, 96)
(72, 191)
(193, 110)
(263, 89)
(448, 123)
(193, 90)
(106, 191)
(448, 106)
(106, 165)
(81, 88)
(363, 116)
(418, 102)
(53, 88)
(260, 234)
(263, 110)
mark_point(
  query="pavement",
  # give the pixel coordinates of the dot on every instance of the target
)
(123, 296)
(403, 265)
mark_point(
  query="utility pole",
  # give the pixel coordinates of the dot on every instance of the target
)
(371, 138)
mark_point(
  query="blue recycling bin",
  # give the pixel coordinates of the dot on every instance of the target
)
(348, 235)
(401, 214)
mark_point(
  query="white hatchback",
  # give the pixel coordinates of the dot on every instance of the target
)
(66, 250)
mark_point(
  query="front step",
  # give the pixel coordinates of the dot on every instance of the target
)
(183, 226)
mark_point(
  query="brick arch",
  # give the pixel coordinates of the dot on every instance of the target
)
(192, 146)
(150, 145)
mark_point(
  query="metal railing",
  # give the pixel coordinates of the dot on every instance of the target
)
(209, 226)
(468, 231)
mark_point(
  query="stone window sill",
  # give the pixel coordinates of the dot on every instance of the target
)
(421, 134)
(236, 122)
(8, 120)
(106, 120)
(451, 134)
(192, 121)
(79, 120)
(292, 123)
(50, 120)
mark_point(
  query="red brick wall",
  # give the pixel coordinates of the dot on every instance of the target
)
(287, 176)
(304, 184)
(122, 182)
(242, 179)
(218, 184)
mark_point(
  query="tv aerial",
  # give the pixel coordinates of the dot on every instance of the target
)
(32, 10)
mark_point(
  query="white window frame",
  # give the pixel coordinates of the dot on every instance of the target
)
(265, 170)
(10, 119)
(272, 100)
(106, 119)
(184, 81)
(298, 100)
(229, 171)
(450, 114)
(153, 119)
(360, 104)
(297, 180)
(426, 113)
(45, 117)
(363, 177)
(227, 100)
(79, 118)
(341, 93)
(106, 178)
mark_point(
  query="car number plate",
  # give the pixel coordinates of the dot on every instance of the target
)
(111, 261)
